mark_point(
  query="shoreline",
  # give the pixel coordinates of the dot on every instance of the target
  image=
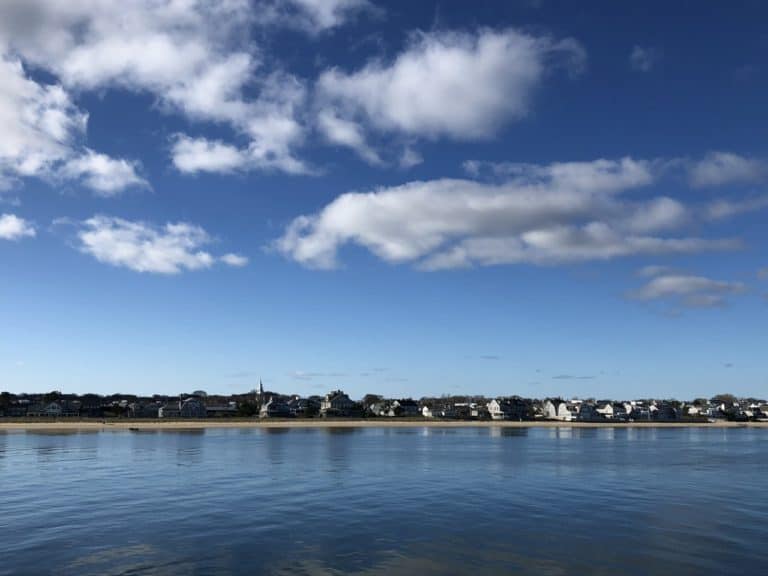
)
(87, 425)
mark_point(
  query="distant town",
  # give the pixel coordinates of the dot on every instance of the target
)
(336, 404)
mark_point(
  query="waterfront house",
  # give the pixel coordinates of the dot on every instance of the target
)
(605, 409)
(304, 407)
(557, 409)
(498, 409)
(514, 408)
(589, 413)
(336, 403)
(405, 407)
(193, 408)
(666, 412)
(171, 409)
(275, 408)
(144, 409)
(380, 408)
(431, 412)
(221, 410)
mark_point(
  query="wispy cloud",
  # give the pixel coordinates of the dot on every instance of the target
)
(688, 290)
(643, 58)
(721, 168)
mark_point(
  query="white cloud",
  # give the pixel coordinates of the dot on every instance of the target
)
(40, 124)
(538, 214)
(142, 247)
(202, 155)
(720, 168)
(320, 15)
(344, 132)
(445, 84)
(642, 58)
(653, 270)
(105, 175)
(42, 137)
(234, 260)
(195, 58)
(14, 228)
(688, 290)
(721, 209)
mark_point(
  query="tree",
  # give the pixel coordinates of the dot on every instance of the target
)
(369, 399)
(726, 399)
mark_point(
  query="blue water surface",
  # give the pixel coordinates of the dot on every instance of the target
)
(385, 501)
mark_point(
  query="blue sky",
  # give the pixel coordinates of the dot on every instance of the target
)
(535, 198)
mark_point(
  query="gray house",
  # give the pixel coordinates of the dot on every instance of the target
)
(336, 403)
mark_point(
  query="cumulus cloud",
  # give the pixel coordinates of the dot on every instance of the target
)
(546, 214)
(143, 247)
(643, 59)
(43, 132)
(688, 290)
(195, 58)
(14, 228)
(102, 174)
(444, 84)
(721, 168)
(202, 155)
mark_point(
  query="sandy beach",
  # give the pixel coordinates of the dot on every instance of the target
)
(98, 425)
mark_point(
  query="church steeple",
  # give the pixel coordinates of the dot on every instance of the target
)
(261, 392)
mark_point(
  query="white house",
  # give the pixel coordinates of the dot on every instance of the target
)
(557, 409)
(605, 410)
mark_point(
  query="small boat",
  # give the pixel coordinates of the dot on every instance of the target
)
(133, 429)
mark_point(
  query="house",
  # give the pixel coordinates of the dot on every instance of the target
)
(53, 410)
(620, 412)
(605, 409)
(171, 409)
(557, 409)
(16, 410)
(507, 409)
(304, 407)
(498, 409)
(336, 403)
(381, 408)
(588, 413)
(193, 408)
(638, 411)
(221, 410)
(274, 408)
(405, 407)
(432, 412)
(666, 412)
(145, 410)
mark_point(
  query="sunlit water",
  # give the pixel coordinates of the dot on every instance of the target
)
(385, 501)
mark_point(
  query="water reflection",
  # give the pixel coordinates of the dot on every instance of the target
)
(508, 432)
(416, 500)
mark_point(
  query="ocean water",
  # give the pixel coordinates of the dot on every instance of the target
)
(385, 501)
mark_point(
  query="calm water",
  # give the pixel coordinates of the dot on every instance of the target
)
(385, 501)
